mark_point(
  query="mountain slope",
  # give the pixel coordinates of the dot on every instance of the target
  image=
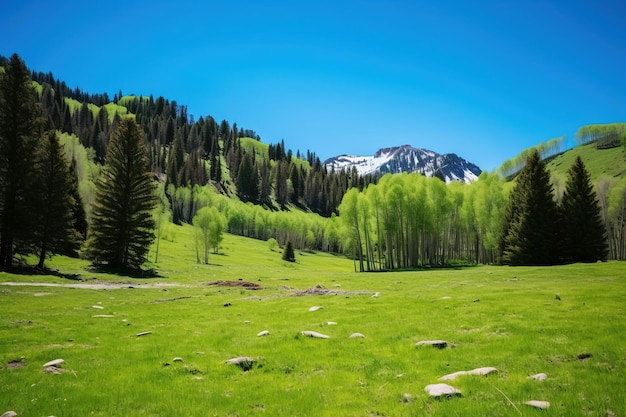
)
(599, 162)
(408, 159)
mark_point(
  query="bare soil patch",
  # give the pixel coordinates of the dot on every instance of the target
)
(244, 284)
(321, 290)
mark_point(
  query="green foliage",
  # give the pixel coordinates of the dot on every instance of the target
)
(121, 223)
(582, 233)
(529, 232)
(607, 135)
(54, 202)
(288, 253)
(272, 244)
(210, 224)
(546, 150)
(19, 133)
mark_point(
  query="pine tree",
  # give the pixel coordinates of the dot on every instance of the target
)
(18, 139)
(288, 253)
(53, 231)
(248, 180)
(583, 236)
(122, 227)
(78, 214)
(529, 232)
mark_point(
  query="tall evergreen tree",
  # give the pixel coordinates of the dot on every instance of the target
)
(18, 139)
(78, 214)
(122, 227)
(248, 180)
(530, 228)
(583, 236)
(288, 253)
(53, 230)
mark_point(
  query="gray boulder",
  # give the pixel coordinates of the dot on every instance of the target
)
(439, 344)
(316, 335)
(442, 390)
(538, 404)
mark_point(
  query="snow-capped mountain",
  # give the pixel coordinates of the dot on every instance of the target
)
(408, 159)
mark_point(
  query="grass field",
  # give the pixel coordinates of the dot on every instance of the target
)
(504, 317)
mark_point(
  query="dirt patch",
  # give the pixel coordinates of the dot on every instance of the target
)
(16, 364)
(320, 290)
(243, 284)
(90, 285)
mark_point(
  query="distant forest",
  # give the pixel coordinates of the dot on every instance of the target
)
(265, 191)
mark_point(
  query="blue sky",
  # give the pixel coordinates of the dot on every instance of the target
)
(482, 79)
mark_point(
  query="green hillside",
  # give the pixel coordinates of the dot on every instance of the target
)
(599, 162)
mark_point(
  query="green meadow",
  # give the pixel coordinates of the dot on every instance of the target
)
(509, 318)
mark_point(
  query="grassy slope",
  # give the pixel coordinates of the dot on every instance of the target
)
(517, 326)
(599, 162)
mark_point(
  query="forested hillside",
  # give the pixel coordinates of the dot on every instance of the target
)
(265, 191)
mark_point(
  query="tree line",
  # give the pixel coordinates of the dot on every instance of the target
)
(408, 221)
(189, 171)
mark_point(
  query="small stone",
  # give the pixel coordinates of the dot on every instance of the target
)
(356, 336)
(337, 285)
(439, 344)
(331, 323)
(452, 376)
(375, 295)
(98, 307)
(406, 397)
(315, 308)
(9, 414)
(102, 316)
(54, 363)
(263, 333)
(177, 359)
(478, 371)
(477, 300)
(315, 334)
(442, 390)
(143, 334)
(247, 322)
(244, 362)
(538, 404)
(539, 377)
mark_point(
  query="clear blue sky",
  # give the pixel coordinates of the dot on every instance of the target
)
(480, 79)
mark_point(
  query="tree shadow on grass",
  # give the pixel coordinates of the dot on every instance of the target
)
(25, 269)
(125, 272)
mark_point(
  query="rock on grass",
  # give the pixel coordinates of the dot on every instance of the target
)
(244, 362)
(54, 363)
(316, 335)
(442, 390)
(439, 344)
(478, 371)
(538, 404)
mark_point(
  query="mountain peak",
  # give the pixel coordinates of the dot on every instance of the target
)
(406, 158)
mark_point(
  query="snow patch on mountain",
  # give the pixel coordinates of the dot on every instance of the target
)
(408, 159)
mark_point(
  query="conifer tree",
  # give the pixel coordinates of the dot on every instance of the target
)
(529, 232)
(122, 223)
(583, 236)
(18, 138)
(53, 230)
(248, 180)
(78, 215)
(288, 253)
